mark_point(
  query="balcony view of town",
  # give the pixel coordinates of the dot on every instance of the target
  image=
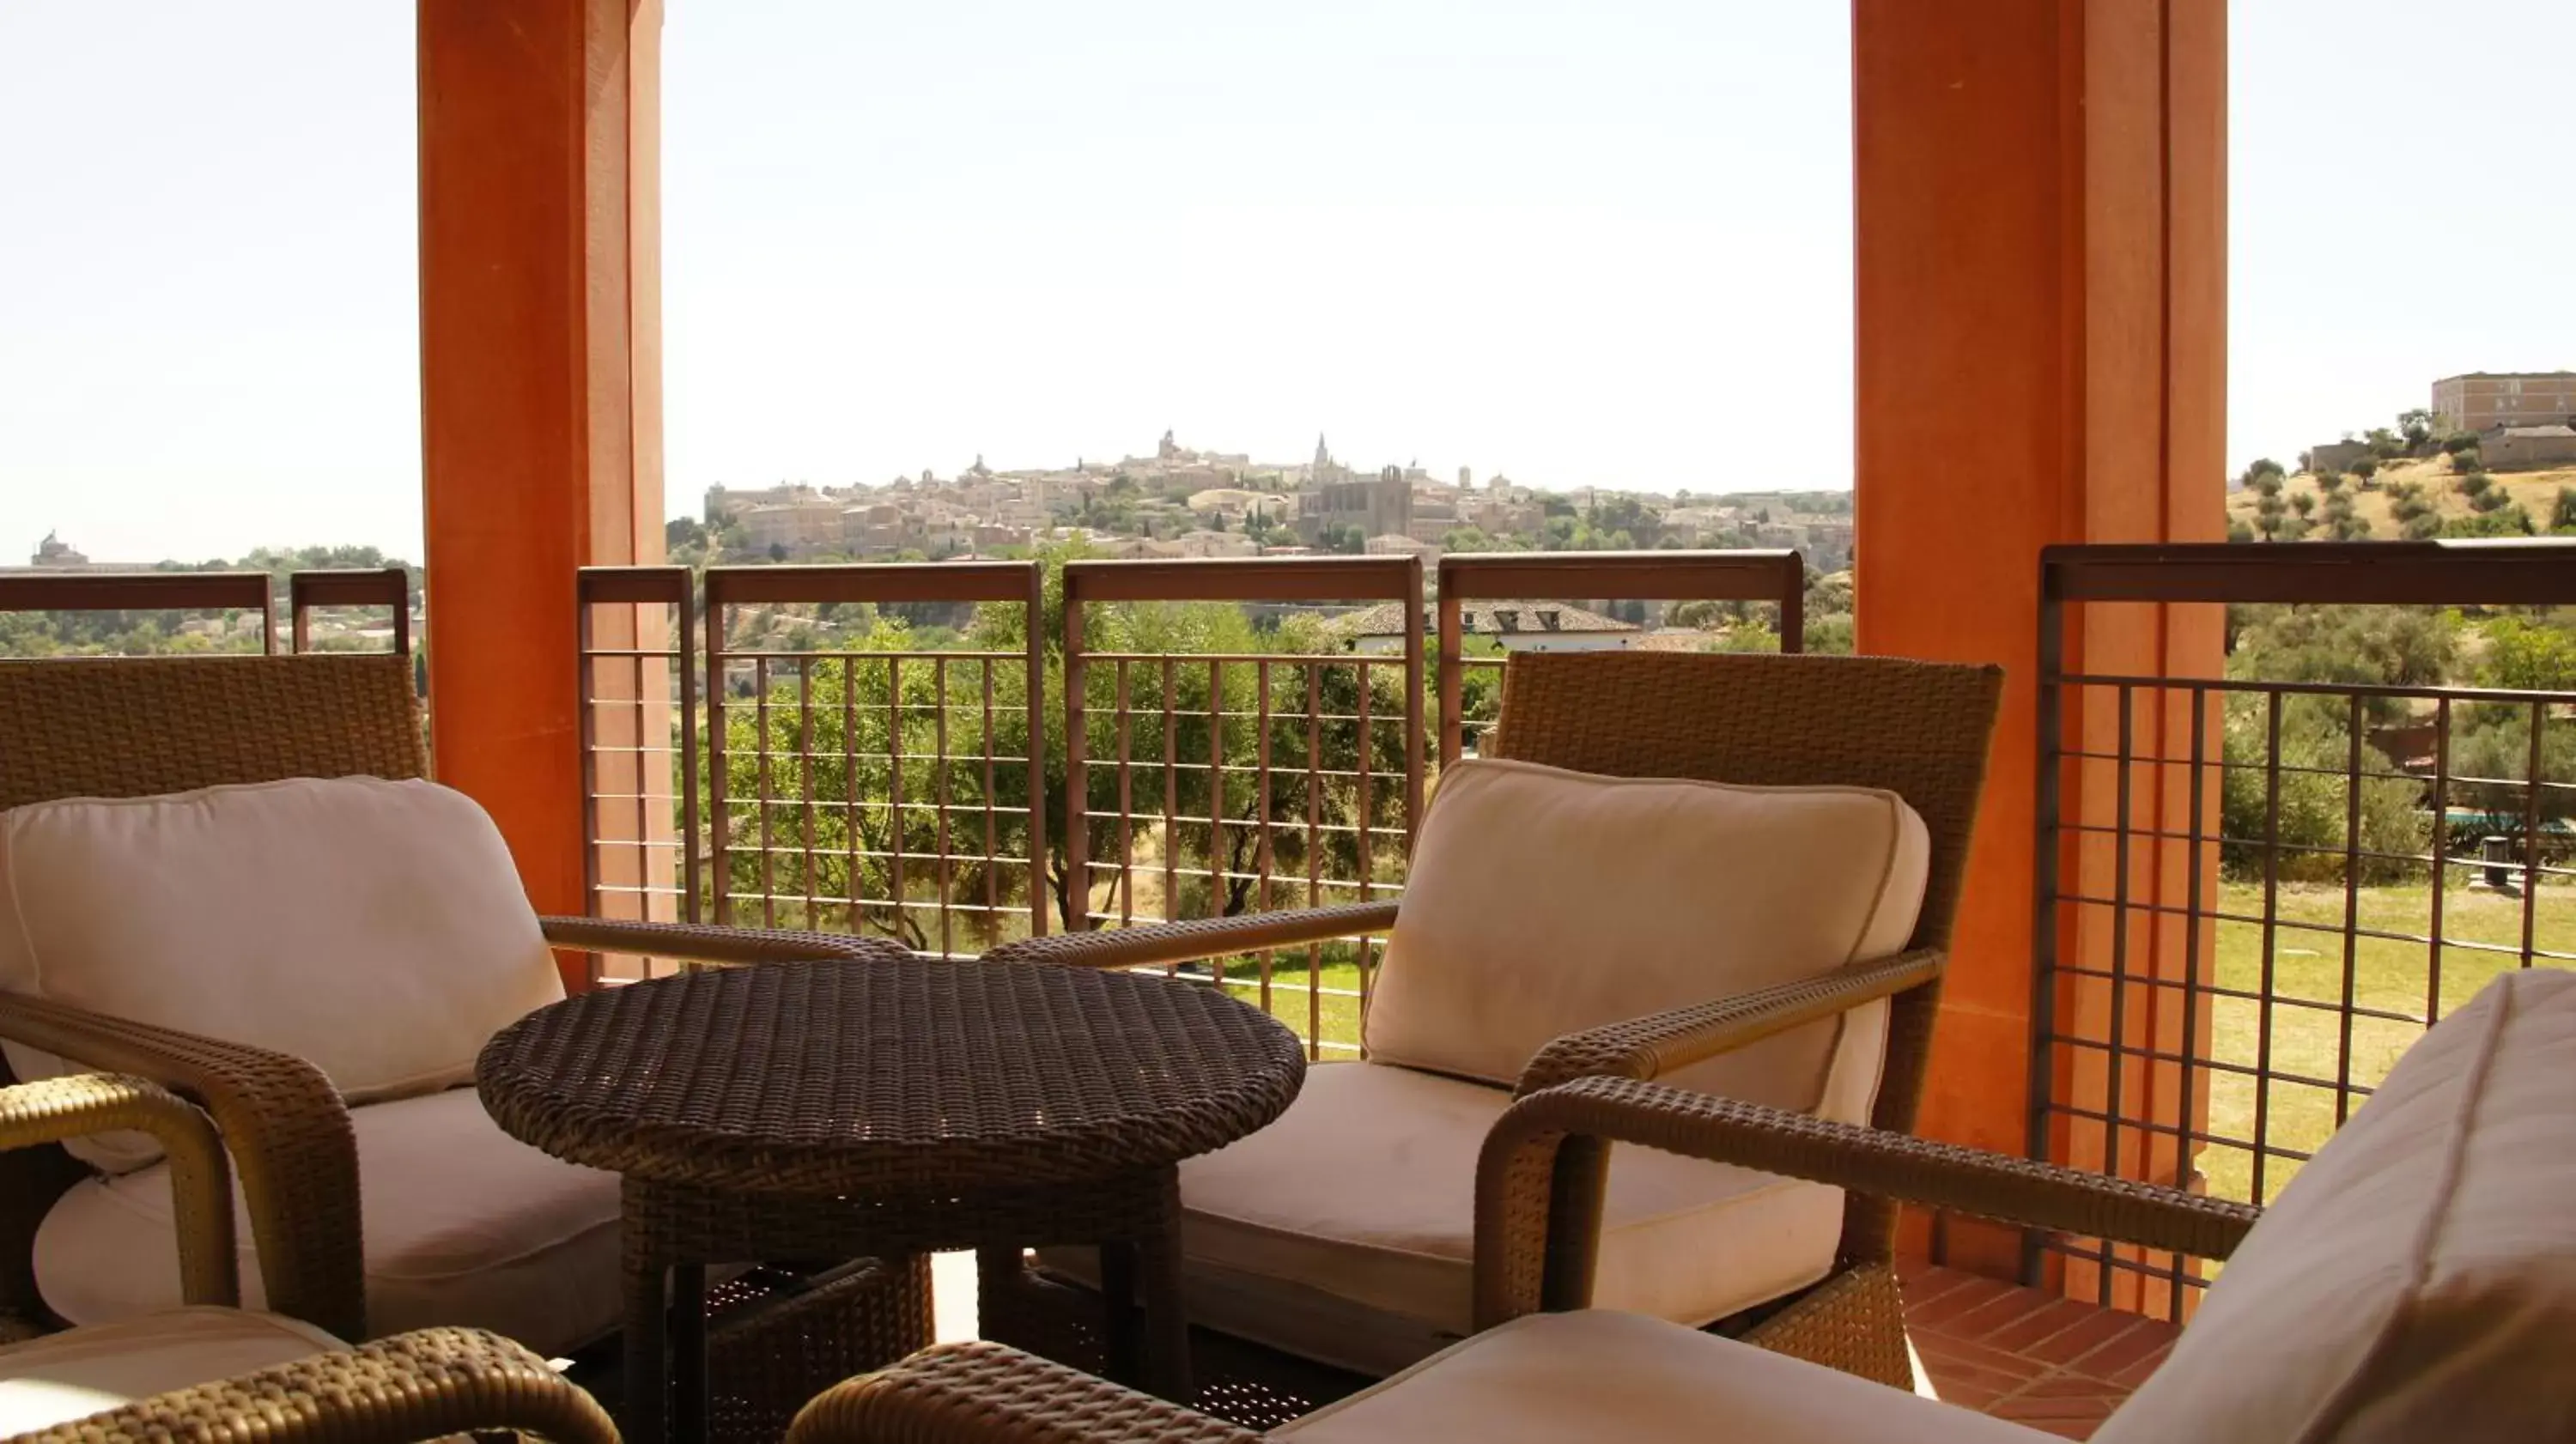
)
(770, 722)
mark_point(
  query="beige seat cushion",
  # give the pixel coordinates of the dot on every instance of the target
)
(71, 1375)
(2417, 1279)
(1541, 902)
(1346, 1230)
(1554, 1378)
(464, 1225)
(375, 928)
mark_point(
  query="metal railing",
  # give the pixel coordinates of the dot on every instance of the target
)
(897, 791)
(643, 843)
(779, 752)
(1778, 578)
(2248, 908)
(221, 594)
(1273, 778)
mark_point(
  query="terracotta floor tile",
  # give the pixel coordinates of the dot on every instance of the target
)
(1948, 1351)
(2070, 1386)
(2058, 1316)
(1985, 1320)
(1936, 1284)
(1951, 1303)
(2082, 1338)
(2136, 1374)
(2143, 1339)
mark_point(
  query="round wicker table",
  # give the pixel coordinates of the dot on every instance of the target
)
(888, 1107)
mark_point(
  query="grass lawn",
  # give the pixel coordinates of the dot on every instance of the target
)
(2308, 966)
(2390, 976)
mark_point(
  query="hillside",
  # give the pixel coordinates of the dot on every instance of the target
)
(2535, 491)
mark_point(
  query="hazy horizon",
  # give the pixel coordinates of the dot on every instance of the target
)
(1609, 248)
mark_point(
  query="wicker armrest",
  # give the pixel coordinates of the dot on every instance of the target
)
(1654, 1045)
(201, 1182)
(988, 1394)
(705, 942)
(284, 1126)
(1185, 942)
(1538, 1200)
(423, 1385)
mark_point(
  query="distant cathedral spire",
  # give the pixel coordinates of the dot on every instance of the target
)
(1322, 456)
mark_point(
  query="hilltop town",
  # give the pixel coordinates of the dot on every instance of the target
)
(1184, 502)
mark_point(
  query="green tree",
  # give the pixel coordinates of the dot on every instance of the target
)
(2531, 654)
(2416, 427)
(2562, 515)
(2365, 467)
(2507, 520)
(2301, 830)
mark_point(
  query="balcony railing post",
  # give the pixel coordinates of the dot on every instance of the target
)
(2295, 1036)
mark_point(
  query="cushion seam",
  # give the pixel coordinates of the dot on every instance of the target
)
(1777, 1185)
(2339, 1406)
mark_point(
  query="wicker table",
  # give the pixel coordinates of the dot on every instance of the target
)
(889, 1107)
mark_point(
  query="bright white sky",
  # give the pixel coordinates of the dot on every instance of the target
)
(1599, 243)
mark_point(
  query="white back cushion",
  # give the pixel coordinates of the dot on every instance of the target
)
(1541, 902)
(375, 928)
(2417, 1279)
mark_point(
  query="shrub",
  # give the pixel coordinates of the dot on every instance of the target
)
(2366, 468)
(2238, 531)
(2304, 503)
(2459, 441)
(2562, 516)
(2475, 484)
(2506, 521)
(2313, 803)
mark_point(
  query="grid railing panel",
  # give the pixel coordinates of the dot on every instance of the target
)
(2254, 893)
(643, 843)
(857, 784)
(1224, 782)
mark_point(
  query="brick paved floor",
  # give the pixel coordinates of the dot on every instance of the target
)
(2017, 1353)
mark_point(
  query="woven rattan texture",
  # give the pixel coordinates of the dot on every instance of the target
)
(422, 1385)
(889, 1075)
(1917, 729)
(987, 1394)
(773, 1354)
(201, 1192)
(138, 727)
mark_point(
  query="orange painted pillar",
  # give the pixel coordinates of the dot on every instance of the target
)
(2040, 211)
(540, 384)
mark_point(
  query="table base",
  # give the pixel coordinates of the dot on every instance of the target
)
(673, 1231)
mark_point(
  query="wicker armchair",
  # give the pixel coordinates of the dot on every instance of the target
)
(1917, 729)
(418, 1386)
(1533, 1201)
(138, 728)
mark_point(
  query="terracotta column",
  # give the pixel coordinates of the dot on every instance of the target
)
(540, 383)
(2041, 349)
